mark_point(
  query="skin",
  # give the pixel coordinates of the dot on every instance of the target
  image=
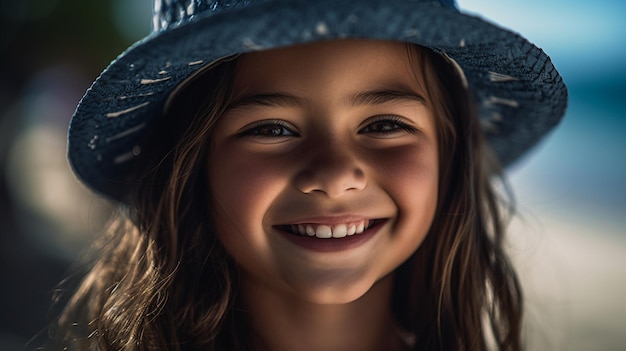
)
(323, 133)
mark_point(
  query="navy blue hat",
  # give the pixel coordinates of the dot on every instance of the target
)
(520, 94)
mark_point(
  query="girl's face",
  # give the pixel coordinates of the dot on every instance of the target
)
(327, 139)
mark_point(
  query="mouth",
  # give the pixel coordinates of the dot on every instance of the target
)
(330, 231)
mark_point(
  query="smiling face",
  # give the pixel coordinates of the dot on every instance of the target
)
(323, 172)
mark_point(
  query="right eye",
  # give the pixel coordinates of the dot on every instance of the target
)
(269, 131)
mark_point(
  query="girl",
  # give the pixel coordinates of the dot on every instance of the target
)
(297, 175)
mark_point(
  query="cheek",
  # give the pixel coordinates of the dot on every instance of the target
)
(411, 178)
(242, 189)
(236, 187)
(410, 175)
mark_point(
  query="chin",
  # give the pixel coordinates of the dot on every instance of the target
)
(344, 290)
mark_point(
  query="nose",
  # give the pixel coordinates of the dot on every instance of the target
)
(331, 169)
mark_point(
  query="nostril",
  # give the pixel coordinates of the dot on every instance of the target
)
(331, 182)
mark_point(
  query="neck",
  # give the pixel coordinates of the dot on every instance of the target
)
(281, 322)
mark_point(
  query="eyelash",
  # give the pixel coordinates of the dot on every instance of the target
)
(256, 129)
(396, 123)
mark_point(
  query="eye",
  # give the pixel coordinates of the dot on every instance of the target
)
(386, 126)
(269, 131)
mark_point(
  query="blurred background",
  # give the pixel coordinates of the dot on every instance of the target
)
(568, 240)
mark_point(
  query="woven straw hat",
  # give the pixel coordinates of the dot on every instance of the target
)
(520, 94)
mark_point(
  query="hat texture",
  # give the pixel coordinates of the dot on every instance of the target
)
(520, 94)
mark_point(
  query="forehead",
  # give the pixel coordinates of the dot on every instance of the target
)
(329, 66)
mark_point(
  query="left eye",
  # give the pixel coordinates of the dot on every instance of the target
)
(269, 130)
(386, 126)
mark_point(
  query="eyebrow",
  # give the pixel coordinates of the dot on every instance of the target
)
(378, 97)
(266, 100)
(372, 97)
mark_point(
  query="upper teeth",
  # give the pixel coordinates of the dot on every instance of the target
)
(325, 231)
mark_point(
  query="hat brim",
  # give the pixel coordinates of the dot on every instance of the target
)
(520, 94)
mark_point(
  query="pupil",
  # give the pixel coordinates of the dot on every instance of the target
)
(275, 131)
(272, 131)
(383, 127)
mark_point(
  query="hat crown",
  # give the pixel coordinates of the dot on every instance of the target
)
(170, 12)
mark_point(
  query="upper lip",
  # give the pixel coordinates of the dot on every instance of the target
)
(329, 220)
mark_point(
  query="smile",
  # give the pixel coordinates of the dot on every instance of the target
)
(327, 231)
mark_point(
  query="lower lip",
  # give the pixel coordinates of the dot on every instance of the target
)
(313, 243)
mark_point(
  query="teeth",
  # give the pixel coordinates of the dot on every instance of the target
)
(360, 227)
(340, 231)
(324, 231)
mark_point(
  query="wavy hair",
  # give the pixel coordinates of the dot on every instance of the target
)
(459, 290)
(162, 280)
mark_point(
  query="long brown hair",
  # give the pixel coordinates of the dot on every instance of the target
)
(459, 291)
(162, 280)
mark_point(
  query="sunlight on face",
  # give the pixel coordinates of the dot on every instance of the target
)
(323, 172)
